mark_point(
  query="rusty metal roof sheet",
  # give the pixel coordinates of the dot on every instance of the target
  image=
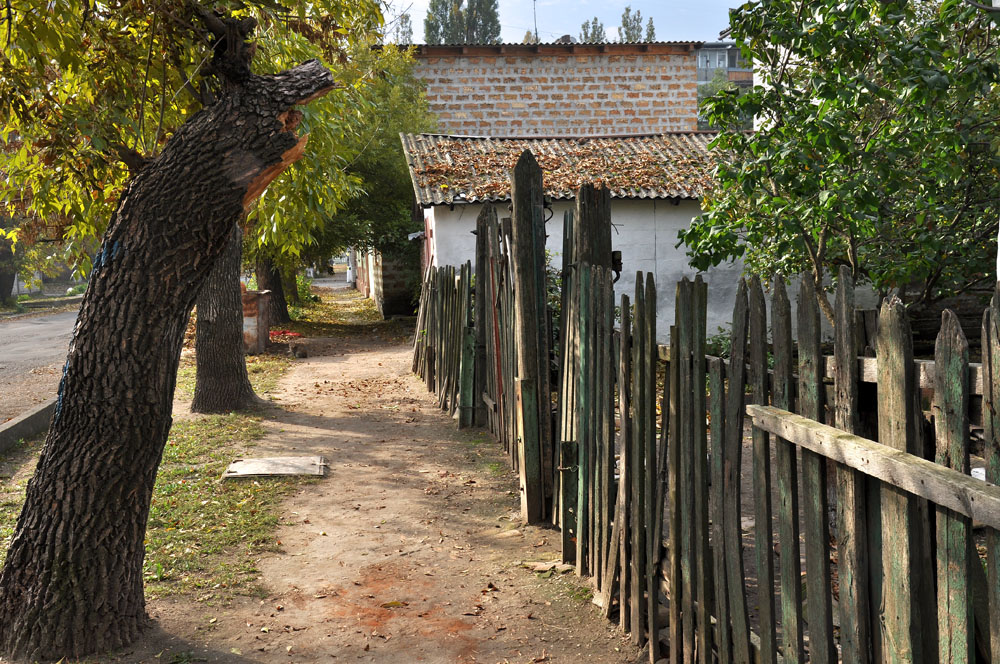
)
(466, 169)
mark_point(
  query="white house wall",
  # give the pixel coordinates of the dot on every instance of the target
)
(645, 231)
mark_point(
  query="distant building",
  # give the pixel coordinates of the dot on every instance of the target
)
(725, 56)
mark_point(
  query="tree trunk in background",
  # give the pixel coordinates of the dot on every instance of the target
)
(221, 381)
(268, 278)
(72, 582)
(6, 287)
(291, 287)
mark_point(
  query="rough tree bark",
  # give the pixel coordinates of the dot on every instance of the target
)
(269, 279)
(72, 583)
(221, 381)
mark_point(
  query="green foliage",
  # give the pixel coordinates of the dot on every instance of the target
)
(444, 23)
(719, 344)
(482, 22)
(303, 285)
(630, 31)
(447, 22)
(876, 147)
(650, 30)
(381, 215)
(592, 32)
(720, 84)
(81, 83)
(403, 33)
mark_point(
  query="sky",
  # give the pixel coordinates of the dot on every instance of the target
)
(674, 20)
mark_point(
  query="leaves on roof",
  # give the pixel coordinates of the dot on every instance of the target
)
(448, 169)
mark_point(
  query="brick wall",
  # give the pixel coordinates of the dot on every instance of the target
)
(561, 90)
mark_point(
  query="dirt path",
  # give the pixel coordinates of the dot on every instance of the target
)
(408, 551)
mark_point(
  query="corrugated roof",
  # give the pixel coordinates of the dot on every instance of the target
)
(466, 169)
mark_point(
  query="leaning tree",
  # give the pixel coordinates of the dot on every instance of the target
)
(72, 582)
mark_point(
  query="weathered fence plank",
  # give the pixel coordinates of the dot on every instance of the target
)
(683, 593)
(819, 594)
(786, 475)
(703, 554)
(732, 460)
(531, 331)
(899, 428)
(624, 511)
(763, 535)
(584, 407)
(649, 357)
(991, 438)
(638, 460)
(852, 532)
(717, 411)
(956, 631)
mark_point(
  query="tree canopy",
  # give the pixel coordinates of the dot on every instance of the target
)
(630, 30)
(592, 32)
(76, 114)
(449, 22)
(875, 147)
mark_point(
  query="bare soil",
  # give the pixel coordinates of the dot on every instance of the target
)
(410, 550)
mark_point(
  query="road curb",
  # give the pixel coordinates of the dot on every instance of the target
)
(28, 425)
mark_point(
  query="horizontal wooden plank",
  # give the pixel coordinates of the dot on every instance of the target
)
(868, 371)
(942, 486)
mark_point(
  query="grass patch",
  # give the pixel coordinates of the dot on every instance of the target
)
(264, 372)
(341, 313)
(205, 534)
(16, 466)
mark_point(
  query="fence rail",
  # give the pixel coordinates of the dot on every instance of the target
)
(863, 539)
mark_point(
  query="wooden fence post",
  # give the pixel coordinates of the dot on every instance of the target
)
(956, 631)
(716, 386)
(763, 535)
(624, 511)
(638, 460)
(482, 303)
(733, 540)
(531, 332)
(991, 436)
(786, 473)
(819, 594)
(856, 638)
(649, 357)
(899, 428)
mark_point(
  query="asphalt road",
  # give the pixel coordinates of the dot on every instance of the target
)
(29, 343)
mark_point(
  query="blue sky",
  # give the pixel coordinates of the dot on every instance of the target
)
(683, 20)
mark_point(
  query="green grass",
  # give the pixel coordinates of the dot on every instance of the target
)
(264, 371)
(16, 466)
(205, 534)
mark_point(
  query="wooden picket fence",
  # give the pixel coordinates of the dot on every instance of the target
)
(444, 342)
(647, 478)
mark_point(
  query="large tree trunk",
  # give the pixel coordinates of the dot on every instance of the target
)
(221, 381)
(72, 583)
(269, 279)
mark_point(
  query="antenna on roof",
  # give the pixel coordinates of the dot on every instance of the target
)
(534, 12)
